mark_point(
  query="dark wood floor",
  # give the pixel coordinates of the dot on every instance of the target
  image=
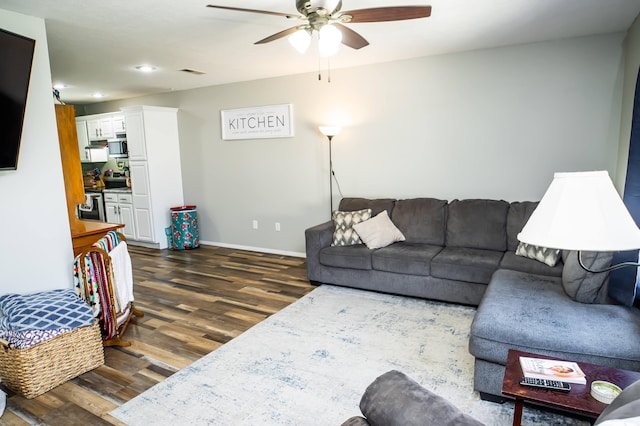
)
(194, 301)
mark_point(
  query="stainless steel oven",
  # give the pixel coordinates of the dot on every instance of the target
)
(94, 210)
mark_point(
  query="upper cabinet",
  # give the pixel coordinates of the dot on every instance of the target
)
(103, 126)
(83, 140)
(88, 153)
(118, 124)
(136, 141)
(100, 128)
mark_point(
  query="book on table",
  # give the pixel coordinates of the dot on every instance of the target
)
(564, 371)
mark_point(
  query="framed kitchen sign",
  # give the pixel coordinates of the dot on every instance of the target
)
(273, 121)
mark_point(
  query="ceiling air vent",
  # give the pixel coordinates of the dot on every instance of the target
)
(194, 72)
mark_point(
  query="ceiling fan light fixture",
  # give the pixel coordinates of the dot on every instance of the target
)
(300, 40)
(329, 39)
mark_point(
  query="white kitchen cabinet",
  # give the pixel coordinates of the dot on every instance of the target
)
(155, 169)
(119, 209)
(118, 124)
(96, 155)
(100, 128)
(136, 140)
(83, 140)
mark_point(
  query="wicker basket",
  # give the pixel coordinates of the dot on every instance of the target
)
(40, 368)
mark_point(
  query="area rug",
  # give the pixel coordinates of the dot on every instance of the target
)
(310, 363)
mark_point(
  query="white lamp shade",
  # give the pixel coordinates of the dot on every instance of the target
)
(582, 211)
(300, 40)
(330, 130)
(329, 39)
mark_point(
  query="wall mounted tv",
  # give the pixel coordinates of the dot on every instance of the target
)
(16, 56)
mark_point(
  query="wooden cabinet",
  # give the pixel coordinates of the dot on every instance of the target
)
(154, 164)
(119, 209)
(69, 155)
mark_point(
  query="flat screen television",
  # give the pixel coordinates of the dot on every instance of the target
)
(16, 57)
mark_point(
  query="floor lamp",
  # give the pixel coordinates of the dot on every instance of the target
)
(330, 132)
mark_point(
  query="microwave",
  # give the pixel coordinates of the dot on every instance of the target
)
(117, 147)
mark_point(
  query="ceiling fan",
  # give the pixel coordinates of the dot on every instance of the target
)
(318, 14)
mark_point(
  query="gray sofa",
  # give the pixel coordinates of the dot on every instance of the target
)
(450, 253)
(463, 251)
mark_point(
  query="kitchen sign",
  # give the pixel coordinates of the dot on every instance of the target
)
(273, 121)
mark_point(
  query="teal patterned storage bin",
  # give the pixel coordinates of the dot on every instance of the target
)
(184, 228)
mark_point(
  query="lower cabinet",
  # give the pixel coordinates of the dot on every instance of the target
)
(119, 209)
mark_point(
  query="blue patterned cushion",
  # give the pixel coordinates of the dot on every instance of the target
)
(44, 311)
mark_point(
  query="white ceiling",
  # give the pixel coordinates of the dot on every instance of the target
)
(96, 45)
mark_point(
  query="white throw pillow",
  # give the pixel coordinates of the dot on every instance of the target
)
(379, 231)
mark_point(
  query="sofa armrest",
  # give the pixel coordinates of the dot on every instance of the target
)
(317, 238)
(395, 399)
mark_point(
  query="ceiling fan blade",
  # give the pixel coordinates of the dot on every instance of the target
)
(351, 38)
(264, 12)
(276, 36)
(384, 14)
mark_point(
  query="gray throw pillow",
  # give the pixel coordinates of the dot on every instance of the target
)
(344, 234)
(393, 399)
(541, 254)
(583, 286)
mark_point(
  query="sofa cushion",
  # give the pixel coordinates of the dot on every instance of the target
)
(343, 221)
(354, 257)
(421, 220)
(518, 263)
(378, 231)
(479, 224)
(405, 258)
(532, 313)
(376, 205)
(466, 264)
(519, 214)
(583, 286)
(394, 399)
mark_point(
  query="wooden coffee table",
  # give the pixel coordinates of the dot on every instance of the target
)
(578, 401)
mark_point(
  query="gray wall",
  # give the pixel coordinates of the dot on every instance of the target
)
(494, 123)
(36, 252)
(632, 63)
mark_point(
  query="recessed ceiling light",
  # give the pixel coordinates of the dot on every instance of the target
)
(98, 95)
(59, 86)
(145, 68)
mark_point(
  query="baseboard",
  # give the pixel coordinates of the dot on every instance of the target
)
(258, 249)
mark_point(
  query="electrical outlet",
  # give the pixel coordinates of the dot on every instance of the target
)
(278, 226)
(255, 224)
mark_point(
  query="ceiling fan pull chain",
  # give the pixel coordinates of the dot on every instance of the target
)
(319, 68)
(328, 69)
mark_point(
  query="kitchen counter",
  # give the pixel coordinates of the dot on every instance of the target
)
(121, 190)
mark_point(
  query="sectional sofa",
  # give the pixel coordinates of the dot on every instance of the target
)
(464, 251)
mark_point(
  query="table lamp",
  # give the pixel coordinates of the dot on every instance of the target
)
(582, 211)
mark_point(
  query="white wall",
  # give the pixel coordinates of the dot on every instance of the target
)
(36, 251)
(494, 123)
